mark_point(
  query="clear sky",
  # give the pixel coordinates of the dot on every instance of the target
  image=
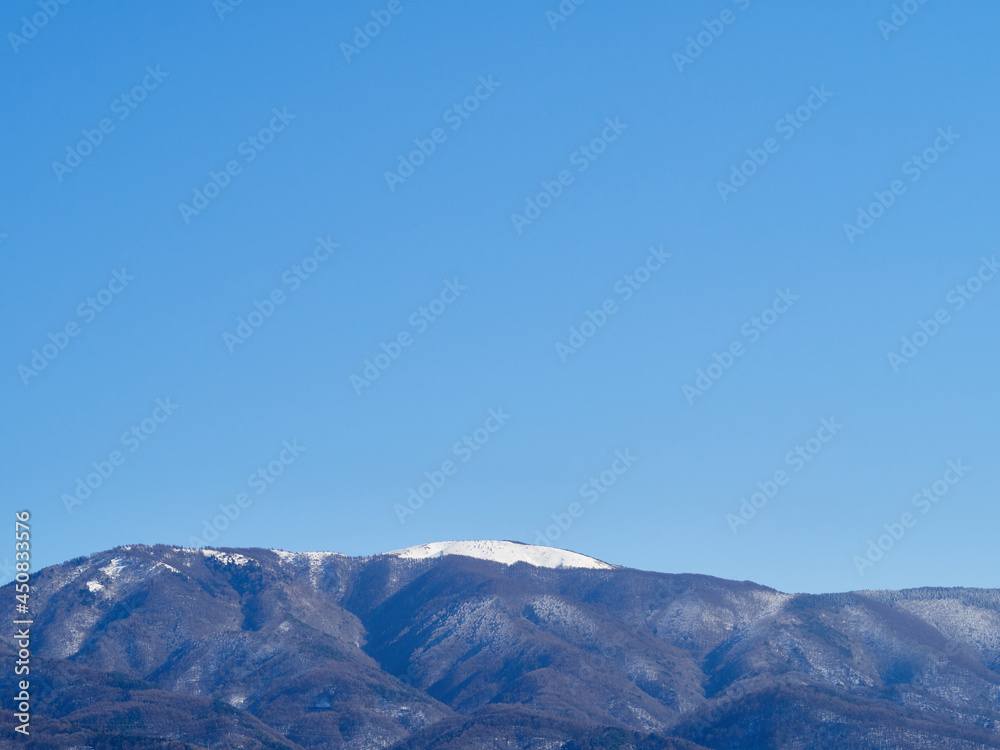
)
(439, 195)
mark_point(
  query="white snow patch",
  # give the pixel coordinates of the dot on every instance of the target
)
(225, 557)
(113, 568)
(94, 586)
(315, 561)
(315, 557)
(506, 553)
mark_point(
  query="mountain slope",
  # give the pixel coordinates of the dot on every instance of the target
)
(495, 644)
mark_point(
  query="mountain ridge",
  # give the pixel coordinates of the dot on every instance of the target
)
(272, 648)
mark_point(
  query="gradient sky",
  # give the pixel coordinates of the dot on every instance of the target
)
(64, 234)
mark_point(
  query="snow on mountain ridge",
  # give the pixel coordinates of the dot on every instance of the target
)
(503, 552)
(506, 553)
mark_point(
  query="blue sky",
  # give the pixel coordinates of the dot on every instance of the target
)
(548, 170)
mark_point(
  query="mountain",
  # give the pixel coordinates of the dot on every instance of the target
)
(493, 645)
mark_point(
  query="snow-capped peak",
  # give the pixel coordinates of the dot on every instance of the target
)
(506, 553)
